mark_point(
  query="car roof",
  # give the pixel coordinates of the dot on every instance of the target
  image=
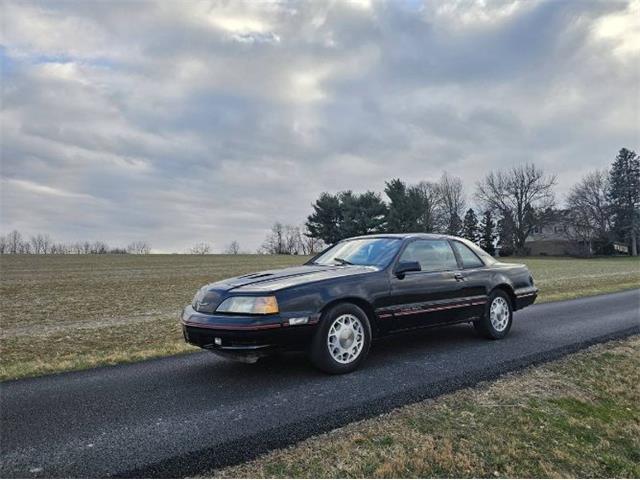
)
(431, 236)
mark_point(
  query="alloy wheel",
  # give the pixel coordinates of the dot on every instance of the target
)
(499, 314)
(346, 338)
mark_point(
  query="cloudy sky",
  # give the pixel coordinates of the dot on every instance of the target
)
(179, 122)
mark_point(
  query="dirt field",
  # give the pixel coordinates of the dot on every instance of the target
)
(77, 311)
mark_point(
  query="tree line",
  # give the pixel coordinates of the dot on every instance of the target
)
(290, 240)
(602, 207)
(15, 243)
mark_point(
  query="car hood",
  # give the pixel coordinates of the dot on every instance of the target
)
(209, 297)
(272, 280)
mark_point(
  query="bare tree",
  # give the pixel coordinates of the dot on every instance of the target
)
(274, 244)
(430, 204)
(3, 244)
(288, 240)
(60, 248)
(99, 247)
(310, 245)
(40, 244)
(14, 242)
(139, 247)
(524, 191)
(589, 210)
(35, 244)
(451, 203)
(202, 248)
(233, 248)
(76, 248)
(46, 244)
(292, 240)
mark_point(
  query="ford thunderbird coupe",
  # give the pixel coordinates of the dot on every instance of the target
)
(357, 290)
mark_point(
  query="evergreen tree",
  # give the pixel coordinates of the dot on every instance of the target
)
(326, 220)
(361, 213)
(506, 234)
(624, 194)
(405, 207)
(470, 226)
(399, 215)
(487, 235)
(346, 215)
(455, 225)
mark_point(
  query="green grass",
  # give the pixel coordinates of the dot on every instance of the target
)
(78, 311)
(577, 417)
(561, 278)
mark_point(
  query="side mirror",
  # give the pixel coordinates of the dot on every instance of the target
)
(404, 267)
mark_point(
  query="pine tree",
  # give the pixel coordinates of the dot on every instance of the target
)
(411, 207)
(361, 213)
(400, 216)
(487, 235)
(624, 194)
(346, 214)
(326, 219)
(470, 226)
(506, 229)
(454, 226)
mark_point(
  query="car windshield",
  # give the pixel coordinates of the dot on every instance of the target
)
(376, 252)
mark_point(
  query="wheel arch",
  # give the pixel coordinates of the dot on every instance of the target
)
(366, 307)
(508, 289)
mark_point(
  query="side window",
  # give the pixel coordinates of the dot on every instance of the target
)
(469, 259)
(433, 255)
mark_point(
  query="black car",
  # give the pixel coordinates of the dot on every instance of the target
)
(354, 291)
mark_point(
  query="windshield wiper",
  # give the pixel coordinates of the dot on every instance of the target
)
(342, 261)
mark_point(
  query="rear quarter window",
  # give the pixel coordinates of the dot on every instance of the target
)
(468, 257)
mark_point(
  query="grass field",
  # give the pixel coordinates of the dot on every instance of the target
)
(71, 312)
(578, 417)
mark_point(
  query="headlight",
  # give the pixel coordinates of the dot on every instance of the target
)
(256, 305)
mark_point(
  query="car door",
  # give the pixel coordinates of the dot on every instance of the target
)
(473, 280)
(426, 297)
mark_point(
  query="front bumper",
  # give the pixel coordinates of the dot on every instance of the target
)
(250, 335)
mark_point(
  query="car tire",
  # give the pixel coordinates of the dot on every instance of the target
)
(342, 340)
(497, 317)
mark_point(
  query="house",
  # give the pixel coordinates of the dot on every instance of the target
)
(620, 248)
(554, 237)
(557, 236)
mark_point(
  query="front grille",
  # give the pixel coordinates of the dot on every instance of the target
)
(206, 338)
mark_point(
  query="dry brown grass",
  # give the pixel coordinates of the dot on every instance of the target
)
(578, 417)
(63, 312)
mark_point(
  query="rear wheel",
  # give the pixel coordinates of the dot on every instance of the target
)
(497, 318)
(342, 341)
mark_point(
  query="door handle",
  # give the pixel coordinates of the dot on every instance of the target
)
(459, 276)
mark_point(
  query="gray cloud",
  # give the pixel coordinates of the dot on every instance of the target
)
(179, 122)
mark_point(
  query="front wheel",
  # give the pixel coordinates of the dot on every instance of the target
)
(497, 318)
(342, 341)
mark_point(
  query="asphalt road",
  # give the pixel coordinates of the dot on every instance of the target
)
(181, 415)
